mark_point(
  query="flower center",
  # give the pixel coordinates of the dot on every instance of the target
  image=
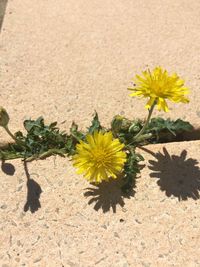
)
(100, 157)
(158, 88)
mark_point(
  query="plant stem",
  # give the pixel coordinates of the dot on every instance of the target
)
(143, 137)
(9, 132)
(146, 123)
(19, 142)
(50, 152)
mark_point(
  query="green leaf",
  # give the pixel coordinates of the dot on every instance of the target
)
(164, 130)
(78, 135)
(131, 169)
(95, 126)
(40, 140)
(29, 124)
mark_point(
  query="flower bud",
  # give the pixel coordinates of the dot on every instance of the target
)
(4, 118)
(120, 123)
(116, 123)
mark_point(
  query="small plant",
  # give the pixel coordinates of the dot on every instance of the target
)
(101, 153)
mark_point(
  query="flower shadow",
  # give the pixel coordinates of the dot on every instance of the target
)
(178, 175)
(108, 195)
(7, 168)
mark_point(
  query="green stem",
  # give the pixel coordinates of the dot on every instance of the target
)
(141, 138)
(9, 132)
(146, 123)
(144, 137)
(19, 142)
(50, 152)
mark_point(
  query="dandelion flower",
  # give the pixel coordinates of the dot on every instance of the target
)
(158, 85)
(100, 158)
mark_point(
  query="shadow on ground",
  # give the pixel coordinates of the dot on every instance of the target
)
(33, 188)
(3, 4)
(7, 168)
(33, 193)
(177, 175)
(108, 195)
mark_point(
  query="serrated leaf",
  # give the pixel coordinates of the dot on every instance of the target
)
(161, 127)
(78, 135)
(29, 124)
(53, 125)
(131, 169)
(95, 126)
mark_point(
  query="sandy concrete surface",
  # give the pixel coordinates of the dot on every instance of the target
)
(77, 224)
(63, 60)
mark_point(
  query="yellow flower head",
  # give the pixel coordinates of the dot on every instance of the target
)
(100, 158)
(158, 86)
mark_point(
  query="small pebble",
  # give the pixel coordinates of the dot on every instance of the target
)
(37, 260)
(116, 234)
(4, 206)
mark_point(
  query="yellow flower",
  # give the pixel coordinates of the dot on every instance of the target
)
(159, 86)
(100, 158)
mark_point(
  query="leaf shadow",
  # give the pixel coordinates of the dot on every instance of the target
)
(108, 195)
(33, 193)
(177, 175)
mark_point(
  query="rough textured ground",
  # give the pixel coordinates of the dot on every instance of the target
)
(63, 59)
(82, 225)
